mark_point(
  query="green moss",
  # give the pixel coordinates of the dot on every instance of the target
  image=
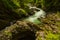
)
(51, 36)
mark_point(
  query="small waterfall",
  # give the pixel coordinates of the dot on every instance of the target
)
(38, 14)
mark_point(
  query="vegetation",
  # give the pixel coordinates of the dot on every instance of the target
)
(13, 25)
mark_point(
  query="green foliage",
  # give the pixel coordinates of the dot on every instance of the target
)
(15, 5)
(51, 36)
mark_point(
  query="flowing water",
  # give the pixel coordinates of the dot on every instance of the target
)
(38, 14)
